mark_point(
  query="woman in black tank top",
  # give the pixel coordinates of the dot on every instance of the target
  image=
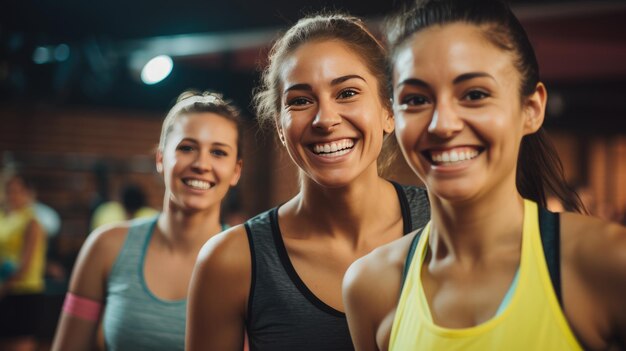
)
(278, 277)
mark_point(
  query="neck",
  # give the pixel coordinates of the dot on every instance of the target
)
(187, 231)
(467, 231)
(343, 211)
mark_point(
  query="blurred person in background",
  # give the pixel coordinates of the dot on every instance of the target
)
(132, 205)
(22, 265)
(133, 276)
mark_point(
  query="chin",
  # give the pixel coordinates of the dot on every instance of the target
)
(336, 179)
(454, 191)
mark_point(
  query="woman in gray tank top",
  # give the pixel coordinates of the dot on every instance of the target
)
(278, 277)
(139, 271)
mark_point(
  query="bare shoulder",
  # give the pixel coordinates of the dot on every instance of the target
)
(377, 276)
(225, 260)
(594, 245)
(371, 288)
(96, 258)
(383, 260)
(228, 250)
(105, 243)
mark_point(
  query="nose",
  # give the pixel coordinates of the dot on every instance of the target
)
(327, 117)
(202, 162)
(445, 122)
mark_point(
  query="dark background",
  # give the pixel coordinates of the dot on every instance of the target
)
(580, 44)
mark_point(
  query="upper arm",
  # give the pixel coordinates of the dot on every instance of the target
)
(600, 261)
(218, 293)
(88, 280)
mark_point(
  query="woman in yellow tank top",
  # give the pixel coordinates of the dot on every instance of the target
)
(22, 263)
(469, 107)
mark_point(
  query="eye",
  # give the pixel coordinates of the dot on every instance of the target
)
(298, 101)
(347, 93)
(414, 100)
(185, 148)
(474, 95)
(219, 153)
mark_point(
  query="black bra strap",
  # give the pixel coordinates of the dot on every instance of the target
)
(410, 255)
(549, 226)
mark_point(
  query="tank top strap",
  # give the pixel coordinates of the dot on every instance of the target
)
(409, 256)
(549, 222)
(414, 206)
(135, 245)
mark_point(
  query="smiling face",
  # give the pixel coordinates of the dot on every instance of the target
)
(459, 116)
(199, 161)
(332, 120)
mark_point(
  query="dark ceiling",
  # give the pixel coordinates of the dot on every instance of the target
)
(581, 46)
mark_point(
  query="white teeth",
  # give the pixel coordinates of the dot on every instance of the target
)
(336, 148)
(453, 156)
(445, 157)
(198, 184)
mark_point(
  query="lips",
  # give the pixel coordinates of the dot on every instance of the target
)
(334, 148)
(453, 155)
(198, 184)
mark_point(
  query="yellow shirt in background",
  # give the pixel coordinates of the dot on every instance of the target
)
(13, 227)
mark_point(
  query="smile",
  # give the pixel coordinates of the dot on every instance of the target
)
(333, 149)
(452, 156)
(198, 184)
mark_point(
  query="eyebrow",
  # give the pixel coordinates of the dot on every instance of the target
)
(215, 143)
(471, 75)
(416, 82)
(339, 80)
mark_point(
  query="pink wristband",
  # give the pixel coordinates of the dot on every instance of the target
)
(82, 307)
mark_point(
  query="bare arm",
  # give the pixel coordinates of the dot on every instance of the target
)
(89, 281)
(218, 293)
(598, 257)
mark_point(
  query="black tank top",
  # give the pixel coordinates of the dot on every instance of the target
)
(283, 314)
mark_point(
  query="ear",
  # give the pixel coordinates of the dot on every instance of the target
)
(279, 130)
(534, 109)
(389, 124)
(159, 161)
(235, 179)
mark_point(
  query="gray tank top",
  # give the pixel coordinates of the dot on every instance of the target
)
(134, 318)
(283, 314)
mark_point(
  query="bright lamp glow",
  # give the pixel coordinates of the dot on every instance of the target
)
(156, 69)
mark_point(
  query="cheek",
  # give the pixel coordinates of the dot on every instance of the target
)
(409, 130)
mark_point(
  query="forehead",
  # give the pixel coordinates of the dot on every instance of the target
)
(204, 126)
(322, 60)
(450, 50)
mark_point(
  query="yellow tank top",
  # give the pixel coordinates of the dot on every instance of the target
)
(533, 319)
(12, 230)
